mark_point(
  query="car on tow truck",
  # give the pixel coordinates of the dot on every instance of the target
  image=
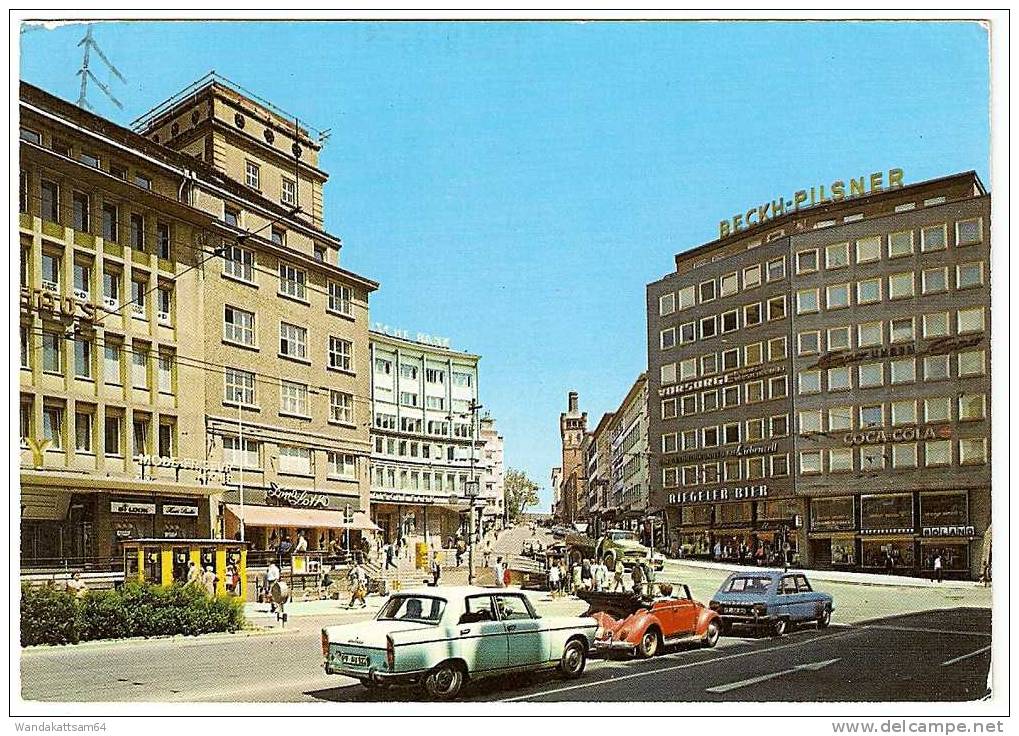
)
(634, 624)
(770, 601)
(440, 638)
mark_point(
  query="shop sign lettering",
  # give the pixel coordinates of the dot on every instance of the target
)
(182, 463)
(819, 194)
(940, 346)
(68, 307)
(745, 374)
(949, 531)
(132, 507)
(736, 493)
(740, 450)
(899, 434)
(295, 497)
(179, 510)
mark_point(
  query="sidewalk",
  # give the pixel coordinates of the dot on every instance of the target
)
(834, 576)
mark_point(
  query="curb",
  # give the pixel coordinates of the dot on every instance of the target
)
(127, 641)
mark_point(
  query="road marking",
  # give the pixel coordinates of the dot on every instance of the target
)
(965, 656)
(927, 631)
(810, 667)
(687, 665)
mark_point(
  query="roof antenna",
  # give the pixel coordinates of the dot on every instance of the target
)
(85, 73)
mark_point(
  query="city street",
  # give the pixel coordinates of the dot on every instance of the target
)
(886, 642)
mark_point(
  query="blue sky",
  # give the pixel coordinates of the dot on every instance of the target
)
(514, 186)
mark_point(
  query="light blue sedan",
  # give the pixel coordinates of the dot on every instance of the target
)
(439, 638)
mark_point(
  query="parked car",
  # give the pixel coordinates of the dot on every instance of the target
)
(636, 625)
(439, 638)
(770, 600)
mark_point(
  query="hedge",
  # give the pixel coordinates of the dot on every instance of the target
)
(50, 615)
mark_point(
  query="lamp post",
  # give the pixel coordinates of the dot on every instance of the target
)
(472, 486)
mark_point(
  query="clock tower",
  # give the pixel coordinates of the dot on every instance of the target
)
(572, 428)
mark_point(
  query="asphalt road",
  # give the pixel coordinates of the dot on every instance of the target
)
(885, 644)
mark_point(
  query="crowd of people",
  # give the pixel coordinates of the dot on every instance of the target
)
(601, 576)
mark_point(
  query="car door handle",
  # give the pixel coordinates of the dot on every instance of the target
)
(465, 631)
(511, 627)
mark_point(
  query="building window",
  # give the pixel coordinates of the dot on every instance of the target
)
(836, 255)
(970, 320)
(340, 354)
(752, 315)
(341, 407)
(340, 298)
(461, 379)
(776, 307)
(872, 458)
(669, 409)
(752, 277)
(969, 232)
(82, 212)
(23, 191)
(688, 405)
(934, 237)
(937, 453)
(687, 297)
(969, 275)
(872, 415)
(688, 369)
(868, 334)
(111, 435)
(868, 249)
(901, 285)
(164, 306)
(709, 364)
(293, 398)
(871, 374)
(52, 353)
(934, 280)
(140, 431)
(935, 368)
(837, 296)
(239, 387)
(163, 240)
(30, 136)
(937, 409)
(730, 359)
(293, 341)
(730, 396)
(868, 291)
(240, 453)
(840, 460)
(753, 354)
(111, 362)
(26, 346)
(277, 236)
(111, 224)
(810, 462)
(806, 301)
(320, 253)
(709, 327)
(840, 418)
(809, 343)
(810, 421)
(935, 325)
(709, 401)
(142, 181)
(806, 261)
(288, 191)
(139, 366)
(82, 280)
(83, 423)
(972, 407)
(971, 363)
(292, 281)
(729, 284)
(138, 291)
(900, 244)
(239, 263)
(252, 175)
(666, 304)
(903, 370)
(904, 455)
(730, 321)
(51, 272)
(840, 379)
(755, 392)
(137, 231)
(903, 412)
(707, 291)
(777, 387)
(809, 382)
(667, 338)
(667, 373)
(408, 398)
(343, 465)
(50, 210)
(231, 217)
(776, 269)
(53, 426)
(294, 460)
(164, 370)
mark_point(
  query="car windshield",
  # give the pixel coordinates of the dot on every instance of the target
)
(616, 536)
(748, 585)
(418, 608)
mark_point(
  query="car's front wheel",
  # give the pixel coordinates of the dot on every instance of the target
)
(712, 634)
(779, 627)
(574, 659)
(446, 681)
(824, 619)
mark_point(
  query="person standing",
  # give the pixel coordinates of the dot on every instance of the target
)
(585, 574)
(553, 580)
(209, 580)
(76, 586)
(487, 552)
(302, 543)
(617, 575)
(284, 550)
(436, 569)
(358, 580)
(637, 576)
(460, 549)
(938, 564)
(194, 573)
(389, 552)
(498, 569)
(718, 551)
(272, 575)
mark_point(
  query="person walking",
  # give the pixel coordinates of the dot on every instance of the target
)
(436, 569)
(637, 576)
(460, 549)
(194, 573)
(389, 553)
(718, 551)
(938, 564)
(209, 580)
(585, 574)
(553, 580)
(272, 575)
(486, 552)
(358, 580)
(499, 570)
(617, 575)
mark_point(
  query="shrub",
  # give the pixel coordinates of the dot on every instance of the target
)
(51, 616)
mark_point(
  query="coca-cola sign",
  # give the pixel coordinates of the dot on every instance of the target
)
(296, 497)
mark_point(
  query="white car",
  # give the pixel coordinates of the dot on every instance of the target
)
(439, 638)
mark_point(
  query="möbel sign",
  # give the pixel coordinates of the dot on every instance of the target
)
(815, 195)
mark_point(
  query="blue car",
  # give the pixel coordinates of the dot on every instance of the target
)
(771, 601)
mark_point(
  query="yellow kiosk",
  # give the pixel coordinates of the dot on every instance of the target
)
(166, 561)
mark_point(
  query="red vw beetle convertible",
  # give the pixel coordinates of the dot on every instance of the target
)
(634, 624)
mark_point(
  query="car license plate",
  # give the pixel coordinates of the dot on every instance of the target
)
(354, 660)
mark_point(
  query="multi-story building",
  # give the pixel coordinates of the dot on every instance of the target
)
(572, 480)
(597, 454)
(158, 271)
(819, 380)
(629, 458)
(428, 456)
(493, 482)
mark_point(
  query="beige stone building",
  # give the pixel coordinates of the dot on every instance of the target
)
(183, 314)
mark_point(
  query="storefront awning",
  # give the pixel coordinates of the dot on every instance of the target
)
(299, 518)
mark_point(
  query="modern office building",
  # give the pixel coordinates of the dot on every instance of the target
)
(600, 509)
(819, 380)
(183, 315)
(493, 482)
(428, 455)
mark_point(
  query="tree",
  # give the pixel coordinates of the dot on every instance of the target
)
(521, 492)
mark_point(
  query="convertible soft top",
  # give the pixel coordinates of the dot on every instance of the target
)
(617, 605)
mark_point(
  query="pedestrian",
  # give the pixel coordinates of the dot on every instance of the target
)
(575, 578)
(718, 551)
(759, 556)
(889, 564)
(436, 569)
(553, 580)
(388, 550)
(272, 575)
(76, 586)
(209, 580)
(486, 552)
(284, 550)
(937, 568)
(498, 569)
(302, 543)
(637, 576)
(601, 576)
(617, 576)
(585, 573)
(194, 573)
(358, 585)
(460, 549)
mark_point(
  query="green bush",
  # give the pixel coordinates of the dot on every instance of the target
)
(52, 616)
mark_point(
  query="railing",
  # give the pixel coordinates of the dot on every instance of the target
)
(66, 565)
